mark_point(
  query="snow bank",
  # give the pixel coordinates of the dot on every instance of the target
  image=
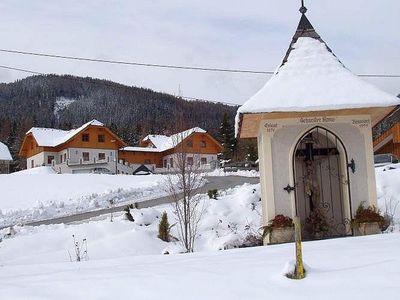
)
(226, 223)
(388, 191)
(32, 171)
(243, 173)
(37, 194)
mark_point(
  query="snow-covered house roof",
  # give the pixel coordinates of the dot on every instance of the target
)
(162, 142)
(311, 78)
(140, 149)
(157, 140)
(49, 137)
(4, 152)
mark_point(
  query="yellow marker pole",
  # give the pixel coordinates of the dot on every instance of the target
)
(299, 272)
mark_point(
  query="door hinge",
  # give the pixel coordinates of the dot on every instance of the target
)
(352, 166)
(289, 188)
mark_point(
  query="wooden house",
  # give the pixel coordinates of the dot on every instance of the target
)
(95, 148)
(386, 135)
(159, 152)
(90, 148)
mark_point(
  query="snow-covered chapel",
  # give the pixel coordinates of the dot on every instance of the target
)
(313, 123)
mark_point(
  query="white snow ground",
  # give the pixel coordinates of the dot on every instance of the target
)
(125, 258)
(352, 268)
(226, 223)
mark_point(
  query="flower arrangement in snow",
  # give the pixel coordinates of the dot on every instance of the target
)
(368, 214)
(279, 230)
(368, 220)
(280, 221)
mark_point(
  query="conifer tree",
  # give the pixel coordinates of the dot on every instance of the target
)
(163, 228)
(227, 138)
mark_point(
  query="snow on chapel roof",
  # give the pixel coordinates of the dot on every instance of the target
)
(311, 78)
(4, 152)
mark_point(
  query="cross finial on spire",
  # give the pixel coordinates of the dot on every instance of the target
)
(303, 9)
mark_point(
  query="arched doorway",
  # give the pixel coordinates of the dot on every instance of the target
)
(322, 189)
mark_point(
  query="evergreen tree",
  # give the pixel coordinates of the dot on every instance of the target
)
(13, 146)
(163, 228)
(227, 138)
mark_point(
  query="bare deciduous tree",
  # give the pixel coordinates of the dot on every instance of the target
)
(182, 183)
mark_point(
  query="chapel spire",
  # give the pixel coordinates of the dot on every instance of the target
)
(303, 9)
(304, 29)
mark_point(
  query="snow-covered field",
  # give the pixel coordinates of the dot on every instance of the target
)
(125, 258)
(352, 268)
(226, 224)
(39, 193)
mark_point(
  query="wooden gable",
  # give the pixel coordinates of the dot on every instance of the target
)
(93, 140)
(111, 141)
(198, 142)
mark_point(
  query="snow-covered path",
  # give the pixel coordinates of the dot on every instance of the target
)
(349, 268)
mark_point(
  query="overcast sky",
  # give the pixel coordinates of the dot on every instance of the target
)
(253, 34)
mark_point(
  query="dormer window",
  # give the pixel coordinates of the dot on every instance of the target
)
(101, 138)
(85, 137)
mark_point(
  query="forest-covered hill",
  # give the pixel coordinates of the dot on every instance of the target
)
(68, 101)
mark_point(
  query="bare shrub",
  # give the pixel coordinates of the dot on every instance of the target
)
(80, 248)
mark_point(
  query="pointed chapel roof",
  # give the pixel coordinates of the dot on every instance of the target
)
(311, 78)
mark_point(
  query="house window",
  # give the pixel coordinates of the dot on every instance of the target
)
(61, 159)
(165, 163)
(32, 163)
(50, 158)
(101, 138)
(102, 156)
(65, 156)
(203, 144)
(147, 162)
(203, 160)
(171, 162)
(190, 161)
(189, 143)
(85, 156)
(85, 137)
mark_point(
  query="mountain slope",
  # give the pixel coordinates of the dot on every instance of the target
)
(67, 101)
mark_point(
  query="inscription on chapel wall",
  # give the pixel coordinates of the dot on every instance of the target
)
(317, 120)
(361, 123)
(271, 127)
